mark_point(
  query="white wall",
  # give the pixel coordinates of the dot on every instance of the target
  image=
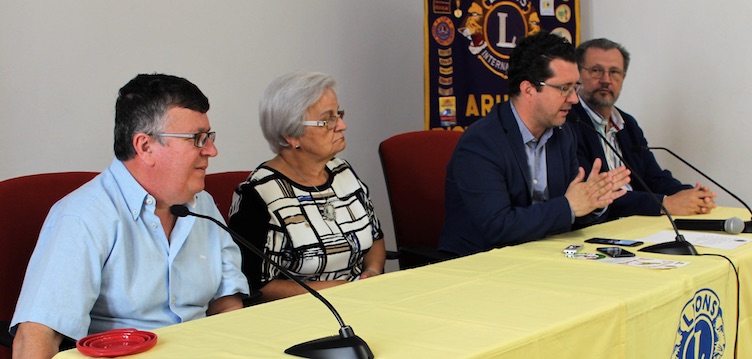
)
(61, 64)
(689, 83)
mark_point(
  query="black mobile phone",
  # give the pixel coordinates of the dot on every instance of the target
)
(614, 242)
(615, 252)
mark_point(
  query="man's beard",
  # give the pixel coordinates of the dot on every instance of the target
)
(596, 100)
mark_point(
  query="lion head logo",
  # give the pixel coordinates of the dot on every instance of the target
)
(533, 20)
(472, 28)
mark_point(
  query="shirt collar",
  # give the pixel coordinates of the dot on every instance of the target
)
(527, 136)
(599, 122)
(192, 204)
(135, 196)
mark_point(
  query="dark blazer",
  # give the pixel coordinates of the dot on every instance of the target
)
(642, 163)
(488, 196)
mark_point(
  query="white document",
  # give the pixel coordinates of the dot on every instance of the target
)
(641, 262)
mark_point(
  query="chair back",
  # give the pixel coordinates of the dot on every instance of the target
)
(414, 165)
(25, 203)
(222, 185)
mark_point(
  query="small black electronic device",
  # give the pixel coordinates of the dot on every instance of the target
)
(614, 242)
(615, 252)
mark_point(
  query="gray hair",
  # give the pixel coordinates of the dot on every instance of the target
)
(603, 44)
(285, 102)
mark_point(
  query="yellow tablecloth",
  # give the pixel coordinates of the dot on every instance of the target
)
(526, 301)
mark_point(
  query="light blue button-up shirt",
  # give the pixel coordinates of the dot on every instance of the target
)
(103, 261)
(536, 163)
(536, 159)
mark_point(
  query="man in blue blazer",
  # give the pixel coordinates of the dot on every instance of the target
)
(514, 175)
(603, 67)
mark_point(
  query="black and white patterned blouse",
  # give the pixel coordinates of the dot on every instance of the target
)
(287, 221)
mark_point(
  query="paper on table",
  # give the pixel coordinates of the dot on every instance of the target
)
(651, 263)
(642, 262)
(705, 239)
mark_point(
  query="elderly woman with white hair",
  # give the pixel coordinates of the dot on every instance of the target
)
(306, 208)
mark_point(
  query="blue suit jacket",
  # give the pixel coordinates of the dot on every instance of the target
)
(642, 163)
(488, 198)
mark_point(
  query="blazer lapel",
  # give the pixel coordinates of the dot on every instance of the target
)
(514, 138)
(590, 137)
(555, 164)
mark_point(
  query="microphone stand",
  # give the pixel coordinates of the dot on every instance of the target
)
(747, 224)
(679, 246)
(343, 346)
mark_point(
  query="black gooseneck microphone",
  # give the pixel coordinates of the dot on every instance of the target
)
(733, 225)
(733, 221)
(342, 346)
(736, 227)
(680, 245)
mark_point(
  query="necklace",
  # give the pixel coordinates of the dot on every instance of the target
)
(327, 212)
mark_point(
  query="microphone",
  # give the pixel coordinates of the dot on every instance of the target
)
(345, 345)
(680, 245)
(733, 225)
(681, 222)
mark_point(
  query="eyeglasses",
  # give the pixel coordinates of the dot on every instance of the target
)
(330, 123)
(199, 139)
(598, 72)
(566, 90)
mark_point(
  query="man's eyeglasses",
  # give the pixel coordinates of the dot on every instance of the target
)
(598, 72)
(199, 139)
(330, 123)
(565, 90)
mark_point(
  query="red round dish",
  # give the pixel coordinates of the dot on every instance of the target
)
(116, 342)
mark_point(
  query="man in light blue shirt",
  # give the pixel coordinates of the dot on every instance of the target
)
(110, 254)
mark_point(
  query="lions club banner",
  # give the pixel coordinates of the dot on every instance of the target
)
(701, 332)
(468, 43)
